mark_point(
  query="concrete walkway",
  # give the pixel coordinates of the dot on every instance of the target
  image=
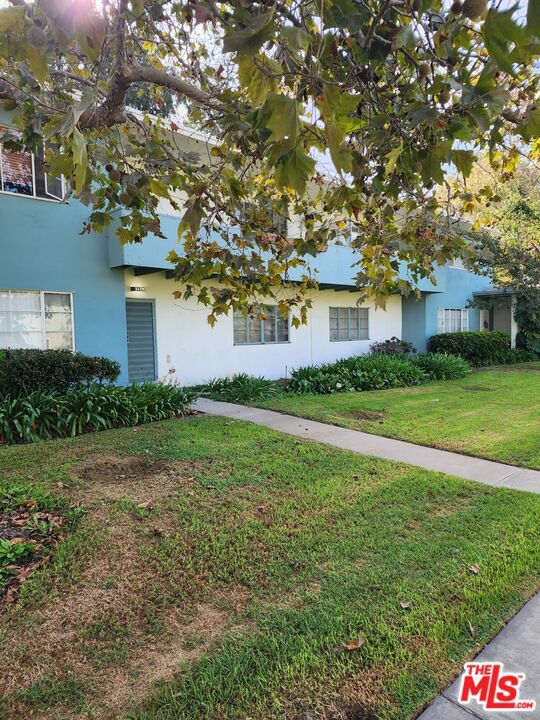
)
(517, 646)
(470, 468)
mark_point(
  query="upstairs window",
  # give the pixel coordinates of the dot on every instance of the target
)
(273, 328)
(21, 173)
(34, 319)
(456, 263)
(349, 323)
(452, 320)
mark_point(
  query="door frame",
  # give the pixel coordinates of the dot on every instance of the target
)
(154, 333)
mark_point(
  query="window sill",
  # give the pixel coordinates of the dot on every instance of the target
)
(34, 197)
(278, 342)
(348, 340)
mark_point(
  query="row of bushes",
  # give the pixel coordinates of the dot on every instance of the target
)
(480, 348)
(24, 371)
(44, 415)
(376, 372)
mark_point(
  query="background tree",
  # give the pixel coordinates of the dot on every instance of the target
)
(395, 94)
(510, 245)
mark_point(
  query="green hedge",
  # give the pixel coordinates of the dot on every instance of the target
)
(24, 371)
(41, 415)
(479, 348)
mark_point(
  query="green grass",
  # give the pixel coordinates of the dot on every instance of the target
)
(298, 548)
(492, 413)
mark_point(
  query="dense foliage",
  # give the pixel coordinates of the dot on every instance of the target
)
(480, 348)
(240, 388)
(394, 346)
(375, 372)
(44, 415)
(24, 371)
(438, 366)
(511, 249)
(394, 95)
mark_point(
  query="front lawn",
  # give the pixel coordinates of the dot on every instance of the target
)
(492, 413)
(220, 570)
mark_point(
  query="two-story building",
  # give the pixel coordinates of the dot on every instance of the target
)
(59, 288)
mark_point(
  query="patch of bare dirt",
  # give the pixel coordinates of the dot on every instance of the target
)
(113, 477)
(479, 388)
(372, 415)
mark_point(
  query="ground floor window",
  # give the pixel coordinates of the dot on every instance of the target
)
(35, 319)
(349, 323)
(267, 326)
(452, 320)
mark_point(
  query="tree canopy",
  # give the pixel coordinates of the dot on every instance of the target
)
(394, 95)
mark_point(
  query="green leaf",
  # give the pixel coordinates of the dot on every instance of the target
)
(159, 188)
(248, 40)
(11, 17)
(296, 38)
(392, 158)
(80, 159)
(499, 30)
(37, 60)
(405, 38)
(533, 18)
(432, 165)
(256, 81)
(340, 155)
(294, 171)
(464, 161)
(283, 120)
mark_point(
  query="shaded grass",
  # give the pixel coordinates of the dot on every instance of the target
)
(320, 545)
(492, 413)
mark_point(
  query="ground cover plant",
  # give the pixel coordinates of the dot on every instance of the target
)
(490, 413)
(239, 388)
(223, 570)
(44, 415)
(375, 372)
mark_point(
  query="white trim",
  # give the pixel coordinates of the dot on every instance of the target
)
(447, 320)
(42, 293)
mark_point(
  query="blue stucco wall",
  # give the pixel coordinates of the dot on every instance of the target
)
(454, 289)
(41, 249)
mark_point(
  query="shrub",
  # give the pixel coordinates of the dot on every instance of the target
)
(488, 347)
(360, 372)
(442, 367)
(240, 388)
(24, 371)
(394, 346)
(42, 415)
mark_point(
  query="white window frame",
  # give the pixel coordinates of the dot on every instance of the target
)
(248, 320)
(446, 320)
(52, 198)
(456, 264)
(348, 338)
(42, 294)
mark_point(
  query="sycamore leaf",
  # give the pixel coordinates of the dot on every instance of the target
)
(392, 158)
(249, 40)
(80, 159)
(37, 60)
(533, 18)
(464, 161)
(283, 118)
(350, 646)
(341, 156)
(432, 165)
(257, 83)
(499, 30)
(159, 188)
(192, 218)
(11, 17)
(294, 171)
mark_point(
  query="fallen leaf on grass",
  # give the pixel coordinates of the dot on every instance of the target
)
(406, 605)
(350, 646)
(148, 505)
(471, 629)
(474, 569)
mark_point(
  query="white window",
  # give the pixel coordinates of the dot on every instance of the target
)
(452, 320)
(271, 328)
(456, 263)
(21, 173)
(33, 319)
(349, 323)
